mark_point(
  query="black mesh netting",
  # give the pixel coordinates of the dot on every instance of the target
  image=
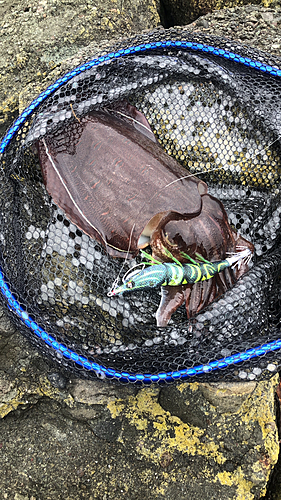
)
(216, 107)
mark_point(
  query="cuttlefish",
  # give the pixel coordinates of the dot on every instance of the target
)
(112, 179)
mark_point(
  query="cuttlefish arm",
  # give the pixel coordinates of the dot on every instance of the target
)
(171, 299)
(195, 297)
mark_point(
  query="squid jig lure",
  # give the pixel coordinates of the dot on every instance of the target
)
(175, 273)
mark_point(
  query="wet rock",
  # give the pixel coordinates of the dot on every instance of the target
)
(89, 403)
(91, 392)
(57, 380)
(236, 450)
(254, 25)
(274, 486)
(107, 428)
(181, 12)
(7, 391)
(20, 497)
(188, 439)
(268, 16)
(23, 373)
(132, 444)
(227, 397)
(190, 402)
(185, 403)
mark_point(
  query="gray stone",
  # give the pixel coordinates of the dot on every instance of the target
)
(227, 397)
(181, 12)
(107, 428)
(66, 446)
(188, 405)
(91, 392)
(191, 405)
(7, 390)
(37, 38)
(57, 380)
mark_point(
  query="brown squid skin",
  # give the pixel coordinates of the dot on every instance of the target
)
(117, 184)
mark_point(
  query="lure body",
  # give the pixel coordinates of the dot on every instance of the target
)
(172, 274)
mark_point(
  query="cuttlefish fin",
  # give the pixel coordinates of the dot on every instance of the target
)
(131, 114)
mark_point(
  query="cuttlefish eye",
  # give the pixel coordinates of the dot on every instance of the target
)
(172, 234)
(168, 239)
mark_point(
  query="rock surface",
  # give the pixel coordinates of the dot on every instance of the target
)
(180, 12)
(67, 438)
(252, 25)
(38, 36)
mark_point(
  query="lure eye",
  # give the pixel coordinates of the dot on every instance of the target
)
(130, 284)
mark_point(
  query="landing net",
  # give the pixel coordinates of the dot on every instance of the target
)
(215, 106)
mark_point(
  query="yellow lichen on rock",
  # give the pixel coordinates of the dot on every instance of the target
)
(156, 439)
(161, 436)
(255, 409)
(237, 479)
(11, 405)
(8, 107)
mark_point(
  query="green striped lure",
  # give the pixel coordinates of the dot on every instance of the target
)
(175, 273)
